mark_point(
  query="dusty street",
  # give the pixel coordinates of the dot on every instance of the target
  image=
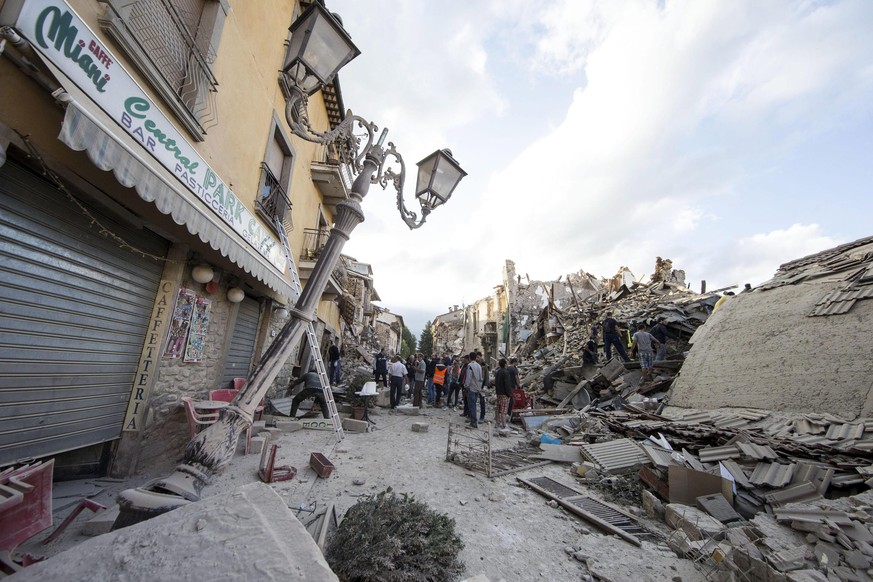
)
(509, 531)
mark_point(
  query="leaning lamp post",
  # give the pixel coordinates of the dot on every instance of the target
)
(319, 47)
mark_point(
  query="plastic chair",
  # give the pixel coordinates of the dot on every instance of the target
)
(223, 395)
(196, 420)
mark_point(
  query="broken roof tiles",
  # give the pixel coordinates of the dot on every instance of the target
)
(754, 451)
(712, 454)
(615, 456)
(802, 492)
(845, 431)
(772, 474)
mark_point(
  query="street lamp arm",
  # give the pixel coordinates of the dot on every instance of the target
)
(297, 116)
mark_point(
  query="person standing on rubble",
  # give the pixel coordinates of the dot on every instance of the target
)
(486, 379)
(589, 351)
(410, 374)
(333, 355)
(439, 380)
(661, 333)
(611, 338)
(503, 384)
(463, 381)
(644, 343)
(516, 385)
(473, 383)
(380, 368)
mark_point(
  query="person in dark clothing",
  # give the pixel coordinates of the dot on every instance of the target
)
(660, 332)
(311, 389)
(611, 338)
(333, 355)
(503, 384)
(380, 368)
(429, 370)
(589, 352)
(410, 374)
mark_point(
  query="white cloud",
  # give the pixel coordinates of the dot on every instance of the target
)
(673, 116)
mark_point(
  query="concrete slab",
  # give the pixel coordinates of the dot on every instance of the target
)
(188, 543)
(352, 425)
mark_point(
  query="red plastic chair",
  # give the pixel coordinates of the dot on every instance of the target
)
(238, 384)
(196, 420)
(223, 394)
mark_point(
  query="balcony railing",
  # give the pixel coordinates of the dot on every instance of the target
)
(314, 240)
(273, 202)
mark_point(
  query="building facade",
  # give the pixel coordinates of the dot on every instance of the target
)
(147, 180)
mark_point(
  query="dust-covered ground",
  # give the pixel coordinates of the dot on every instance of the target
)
(509, 532)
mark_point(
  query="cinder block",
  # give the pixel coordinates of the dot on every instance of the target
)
(352, 425)
(408, 410)
(420, 426)
(257, 444)
(258, 427)
(289, 425)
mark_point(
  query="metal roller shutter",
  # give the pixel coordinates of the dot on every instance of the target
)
(74, 311)
(242, 342)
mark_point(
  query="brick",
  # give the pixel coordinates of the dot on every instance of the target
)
(353, 425)
(289, 425)
(420, 426)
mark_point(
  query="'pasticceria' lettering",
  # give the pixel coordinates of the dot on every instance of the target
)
(137, 107)
(66, 39)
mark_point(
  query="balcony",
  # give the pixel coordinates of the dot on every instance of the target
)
(273, 202)
(333, 177)
(314, 240)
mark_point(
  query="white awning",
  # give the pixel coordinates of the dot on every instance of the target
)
(87, 128)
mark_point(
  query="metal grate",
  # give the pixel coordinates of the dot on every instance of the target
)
(169, 34)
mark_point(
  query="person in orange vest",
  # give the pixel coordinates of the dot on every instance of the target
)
(439, 379)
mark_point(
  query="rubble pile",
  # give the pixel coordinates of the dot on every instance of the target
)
(749, 493)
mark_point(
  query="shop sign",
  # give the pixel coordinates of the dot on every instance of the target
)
(57, 32)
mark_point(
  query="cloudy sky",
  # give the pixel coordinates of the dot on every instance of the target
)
(728, 136)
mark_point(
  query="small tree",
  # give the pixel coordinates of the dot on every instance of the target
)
(425, 342)
(407, 343)
(393, 538)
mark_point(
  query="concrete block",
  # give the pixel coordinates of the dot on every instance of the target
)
(289, 425)
(268, 419)
(383, 399)
(273, 432)
(408, 410)
(652, 506)
(697, 524)
(258, 427)
(258, 443)
(353, 425)
(420, 426)
(102, 522)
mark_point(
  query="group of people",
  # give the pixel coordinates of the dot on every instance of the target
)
(649, 346)
(451, 378)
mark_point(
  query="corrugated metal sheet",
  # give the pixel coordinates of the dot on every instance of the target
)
(772, 474)
(712, 454)
(242, 342)
(75, 313)
(754, 451)
(615, 456)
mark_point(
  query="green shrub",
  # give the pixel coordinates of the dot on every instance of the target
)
(393, 538)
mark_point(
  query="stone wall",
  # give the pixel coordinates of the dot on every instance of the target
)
(762, 350)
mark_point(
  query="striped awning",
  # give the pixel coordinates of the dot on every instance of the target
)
(87, 128)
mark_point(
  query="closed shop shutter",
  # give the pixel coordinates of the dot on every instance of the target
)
(74, 312)
(242, 342)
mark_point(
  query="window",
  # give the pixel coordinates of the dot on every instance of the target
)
(173, 44)
(273, 202)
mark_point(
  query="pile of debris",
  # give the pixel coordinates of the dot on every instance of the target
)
(553, 352)
(748, 493)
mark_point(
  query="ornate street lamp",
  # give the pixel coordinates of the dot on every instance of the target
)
(319, 47)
